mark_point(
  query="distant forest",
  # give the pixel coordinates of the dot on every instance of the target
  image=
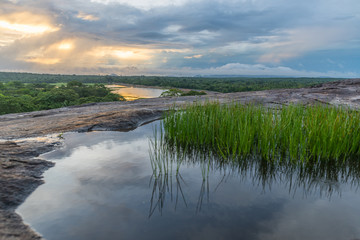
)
(225, 85)
(18, 97)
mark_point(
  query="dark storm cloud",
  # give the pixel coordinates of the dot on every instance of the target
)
(225, 23)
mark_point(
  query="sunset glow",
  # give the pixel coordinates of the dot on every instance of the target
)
(45, 61)
(31, 29)
(65, 46)
(131, 54)
(21, 25)
(124, 54)
(239, 37)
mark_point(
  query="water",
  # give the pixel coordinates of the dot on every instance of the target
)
(133, 93)
(102, 188)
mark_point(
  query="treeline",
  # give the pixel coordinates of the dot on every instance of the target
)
(174, 92)
(50, 78)
(233, 84)
(20, 97)
(225, 85)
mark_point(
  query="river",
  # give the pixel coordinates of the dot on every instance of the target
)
(133, 93)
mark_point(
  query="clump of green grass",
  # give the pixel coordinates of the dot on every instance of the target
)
(294, 133)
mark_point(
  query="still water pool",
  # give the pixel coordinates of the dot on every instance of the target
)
(102, 188)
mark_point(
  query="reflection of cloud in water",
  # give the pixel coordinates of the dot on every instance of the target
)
(132, 93)
(100, 188)
(317, 219)
(73, 141)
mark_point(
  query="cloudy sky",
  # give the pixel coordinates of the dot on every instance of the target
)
(181, 37)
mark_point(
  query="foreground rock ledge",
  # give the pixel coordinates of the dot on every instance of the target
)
(21, 172)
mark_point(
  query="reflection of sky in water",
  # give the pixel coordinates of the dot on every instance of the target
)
(101, 188)
(132, 93)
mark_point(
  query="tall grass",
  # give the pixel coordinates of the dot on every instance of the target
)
(311, 148)
(310, 177)
(293, 133)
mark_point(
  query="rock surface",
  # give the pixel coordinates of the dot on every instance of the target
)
(21, 171)
(20, 174)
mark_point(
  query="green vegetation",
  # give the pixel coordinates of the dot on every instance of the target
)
(219, 84)
(24, 92)
(294, 134)
(225, 85)
(174, 92)
(20, 97)
(313, 148)
(311, 177)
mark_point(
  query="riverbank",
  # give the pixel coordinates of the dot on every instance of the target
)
(21, 171)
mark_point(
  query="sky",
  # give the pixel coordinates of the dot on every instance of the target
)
(307, 38)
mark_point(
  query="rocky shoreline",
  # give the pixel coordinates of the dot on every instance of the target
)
(20, 174)
(24, 136)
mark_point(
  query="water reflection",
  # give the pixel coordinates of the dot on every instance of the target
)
(133, 93)
(103, 187)
(319, 179)
(162, 185)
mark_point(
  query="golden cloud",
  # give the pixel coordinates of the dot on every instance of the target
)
(44, 61)
(122, 53)
(51, 54)
(194, 56)
(87, 17)
(18, 25)
(65, 45)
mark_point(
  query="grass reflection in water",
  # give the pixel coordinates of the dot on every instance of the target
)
(302, 169)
